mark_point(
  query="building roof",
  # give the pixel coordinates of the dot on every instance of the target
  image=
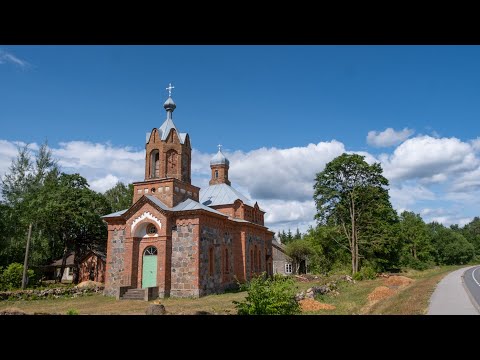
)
(164, 130)
(190, 204)
(115, 214)
(186, 205)
(219, 158)
(278, 245)
(221, 194)
(70, 259)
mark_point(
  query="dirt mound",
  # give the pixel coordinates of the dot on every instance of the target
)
(380, 293)
(314, 305)
(12, 311)
(89, 284)
(397, 281)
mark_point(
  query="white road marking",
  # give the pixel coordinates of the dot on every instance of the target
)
(473, 276)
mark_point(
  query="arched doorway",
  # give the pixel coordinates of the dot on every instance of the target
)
(149, 270)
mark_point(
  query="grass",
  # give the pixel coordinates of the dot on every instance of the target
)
(414, 299)
(352, 299)
(97, 304)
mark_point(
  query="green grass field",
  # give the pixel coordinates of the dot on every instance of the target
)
(352, 299)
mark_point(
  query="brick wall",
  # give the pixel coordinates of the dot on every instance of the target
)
(184, 264)
(115, 260)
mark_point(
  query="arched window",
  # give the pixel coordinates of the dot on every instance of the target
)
(171, 163)
(227, 262)
(251, 262)
(255, 263)
(259, 261)
(216, 174)
(151, 250)
(211, 262)
(154, 164)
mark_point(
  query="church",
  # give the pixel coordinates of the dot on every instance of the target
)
(179, 240)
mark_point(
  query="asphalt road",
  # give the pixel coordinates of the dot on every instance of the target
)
(471, 279)
(450, 296)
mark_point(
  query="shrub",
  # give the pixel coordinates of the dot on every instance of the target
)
(72, 312)
(365, 273)
(12, 276)
(269, 296)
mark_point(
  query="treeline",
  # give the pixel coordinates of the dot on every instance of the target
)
(63, 212)
(359, 231)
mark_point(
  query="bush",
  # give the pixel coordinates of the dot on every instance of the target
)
(365, 273)
(72, 312)
(269, 296)
(419, 265)
(11, 277)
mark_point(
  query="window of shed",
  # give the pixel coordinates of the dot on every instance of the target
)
(288, 268)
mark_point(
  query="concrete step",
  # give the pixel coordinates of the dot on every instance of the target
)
(134, 294)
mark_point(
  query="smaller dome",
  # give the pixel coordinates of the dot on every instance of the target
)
(169, 104)
(219, 159)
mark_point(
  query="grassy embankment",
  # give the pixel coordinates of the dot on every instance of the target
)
(352, 299)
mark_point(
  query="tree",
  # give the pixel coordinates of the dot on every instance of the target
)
(71, 213)
(471, 232)
(450, 246)
(299, 251)
(351, 195)
(120, 197)
(298, 235)
(416, 242)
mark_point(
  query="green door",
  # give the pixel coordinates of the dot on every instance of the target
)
(149, 273)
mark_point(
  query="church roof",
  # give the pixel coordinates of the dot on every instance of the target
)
(221, 194)
(115, 214)
(219, 158)
(164, 130)
(190, 204)
(186, 205)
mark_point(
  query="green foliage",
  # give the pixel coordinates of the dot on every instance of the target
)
(120, 197)
(72, 312)
(365, 273)
(269, 296)
(64, 211)
(417, 247)
(11, 277)
(351, 197)
(298, 250)
(450, 246)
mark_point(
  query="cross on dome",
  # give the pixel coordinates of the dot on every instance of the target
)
(169, 88)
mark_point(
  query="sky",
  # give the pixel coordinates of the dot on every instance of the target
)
(280, 112)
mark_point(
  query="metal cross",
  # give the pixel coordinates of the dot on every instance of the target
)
(219, 147)
(169, 88)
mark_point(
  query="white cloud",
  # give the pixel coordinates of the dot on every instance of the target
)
(425, 157)
(404, 196)
(282, 173)
(423, 170)
(388, 137)
(105, 183)
(7, 57)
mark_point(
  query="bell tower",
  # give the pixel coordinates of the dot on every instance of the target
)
(219, 165)
(168, 155)
(168, 152)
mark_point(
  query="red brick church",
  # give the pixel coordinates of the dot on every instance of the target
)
(177, 239)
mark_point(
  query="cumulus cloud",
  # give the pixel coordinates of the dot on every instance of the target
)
(7, 57)
(388, 137)
(425, 157)
(444, 216)
(404, 196)
(424, 172)
(282, 173)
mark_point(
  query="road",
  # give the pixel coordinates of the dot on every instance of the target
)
(451, 297)
(471, 279)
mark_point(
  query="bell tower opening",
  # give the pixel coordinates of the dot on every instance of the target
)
(154, 164)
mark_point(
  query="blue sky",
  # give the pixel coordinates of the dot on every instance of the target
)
(265, 104)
